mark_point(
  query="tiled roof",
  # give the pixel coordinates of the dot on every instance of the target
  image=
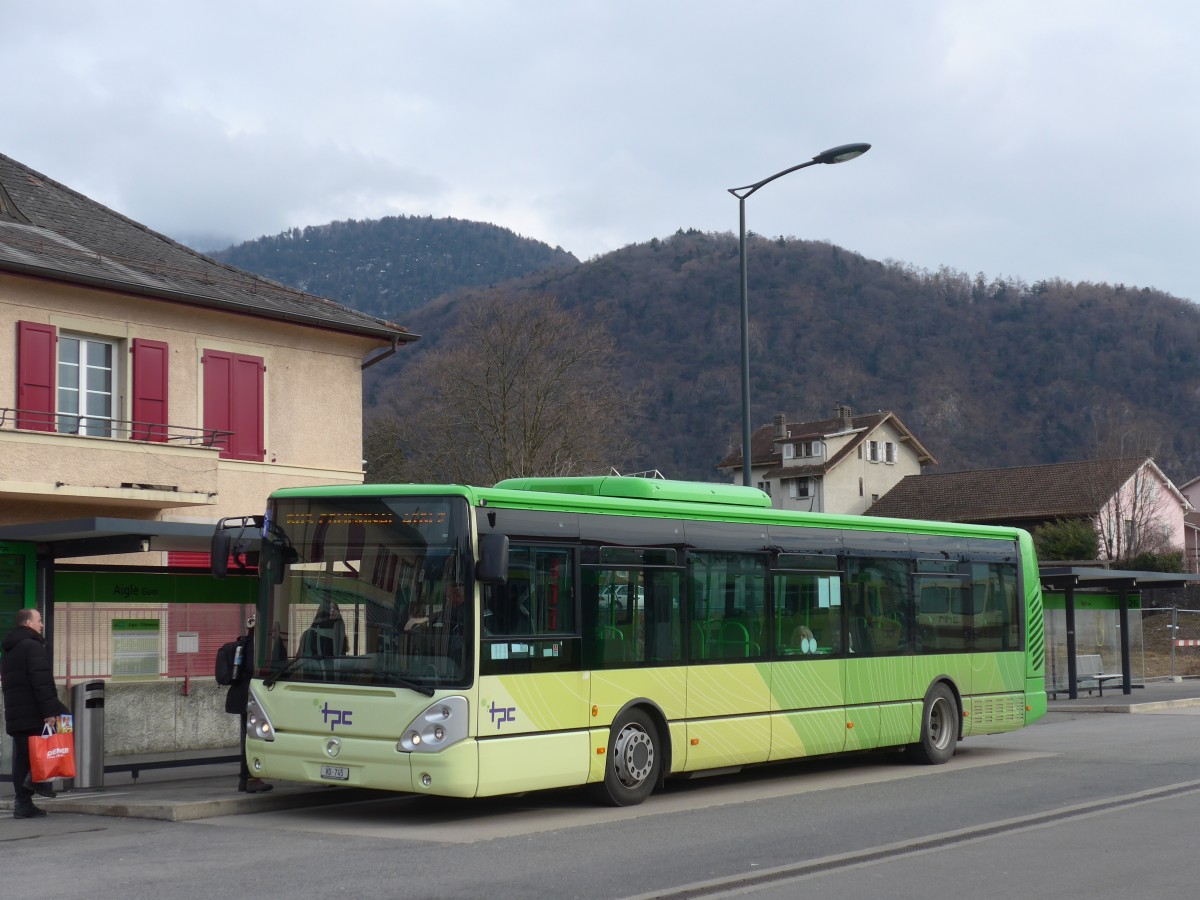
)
(48, 230)
(764, 450)
(1063, 490)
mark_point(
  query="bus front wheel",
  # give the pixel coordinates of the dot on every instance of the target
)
(939, 727)
(634, 760)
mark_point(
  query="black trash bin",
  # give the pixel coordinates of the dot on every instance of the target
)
(87, 706)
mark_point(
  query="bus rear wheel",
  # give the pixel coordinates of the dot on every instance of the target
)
(939, 727)
(634, 760)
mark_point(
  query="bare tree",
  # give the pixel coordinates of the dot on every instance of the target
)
(518, 387)
(1132, 520)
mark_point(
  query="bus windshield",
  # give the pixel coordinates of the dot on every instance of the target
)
(370, 590)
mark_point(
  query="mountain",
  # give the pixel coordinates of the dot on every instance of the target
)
(985, 373)
(388, 266)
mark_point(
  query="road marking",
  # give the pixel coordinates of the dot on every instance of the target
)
(738, 885)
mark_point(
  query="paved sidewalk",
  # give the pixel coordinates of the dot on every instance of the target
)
(184, 794)
(1154, 696)
(205, 790)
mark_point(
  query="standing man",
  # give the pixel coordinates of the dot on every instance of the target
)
(30, 700)
(235, 702)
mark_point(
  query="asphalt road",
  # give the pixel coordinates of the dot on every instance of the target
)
(1094, 806)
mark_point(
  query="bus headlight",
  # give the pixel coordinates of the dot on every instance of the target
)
(257, 723)
(443, 723)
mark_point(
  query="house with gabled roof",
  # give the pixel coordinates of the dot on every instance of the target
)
(1134, 506)
(147, 391)
(144, 379)
(840, 465)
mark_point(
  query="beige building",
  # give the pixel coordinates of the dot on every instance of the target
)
(146, 392)
(842, 464)
(144, 380)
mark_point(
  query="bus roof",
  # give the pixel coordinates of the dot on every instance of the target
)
(649, 497)
(643, 489)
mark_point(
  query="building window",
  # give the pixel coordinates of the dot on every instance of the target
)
(765, 487)
(799, 488)
(810, 448)
(87, 379)
(789, 451)
(860, 486)
(889, 453)
(71, 383)
(873, 451)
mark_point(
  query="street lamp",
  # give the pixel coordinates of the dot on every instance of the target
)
(841, 154)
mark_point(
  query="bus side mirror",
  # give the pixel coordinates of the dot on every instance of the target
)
(224, 544)
(492, 567)
(219, 556)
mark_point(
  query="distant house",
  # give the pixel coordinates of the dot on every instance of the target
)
(842, 464)
(1191, 547)
(1134, 506)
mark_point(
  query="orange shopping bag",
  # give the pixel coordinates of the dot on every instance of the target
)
(51, 755)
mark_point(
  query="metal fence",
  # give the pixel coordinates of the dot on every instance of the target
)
(142, 641)
(1163, 643)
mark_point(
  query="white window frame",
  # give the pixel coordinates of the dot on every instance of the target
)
(789, 451)
(889, 453)
(794, 485)
(88, 407)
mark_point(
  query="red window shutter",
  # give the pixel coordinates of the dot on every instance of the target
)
(218, 385)
(150, 359)
(233, 402)
(35, 376)
(248, 408)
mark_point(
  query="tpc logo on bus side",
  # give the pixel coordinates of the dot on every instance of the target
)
(336, 717)
(502, 714)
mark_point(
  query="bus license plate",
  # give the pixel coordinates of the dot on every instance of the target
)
(336, 773)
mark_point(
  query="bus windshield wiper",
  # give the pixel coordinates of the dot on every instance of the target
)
(292, 663)
(412, 686)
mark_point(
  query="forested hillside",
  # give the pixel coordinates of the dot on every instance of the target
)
(985, 372)
(387, 266)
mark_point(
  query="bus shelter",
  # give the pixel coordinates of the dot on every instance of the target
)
(1091, 586)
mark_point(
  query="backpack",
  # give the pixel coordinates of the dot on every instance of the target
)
(227, 669)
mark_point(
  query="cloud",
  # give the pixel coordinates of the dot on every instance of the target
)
(1015, 138)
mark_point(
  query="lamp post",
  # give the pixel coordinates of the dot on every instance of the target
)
(841, 154)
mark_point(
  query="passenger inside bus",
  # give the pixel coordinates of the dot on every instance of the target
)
(326, 636)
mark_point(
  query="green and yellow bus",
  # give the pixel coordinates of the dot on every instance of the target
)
(614, 632)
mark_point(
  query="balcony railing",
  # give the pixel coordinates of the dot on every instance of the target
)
(115, 429)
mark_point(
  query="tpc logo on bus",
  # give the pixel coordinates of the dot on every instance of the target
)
(502, 714)
(335, 717)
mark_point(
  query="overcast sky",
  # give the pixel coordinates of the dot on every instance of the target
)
(1019, 139)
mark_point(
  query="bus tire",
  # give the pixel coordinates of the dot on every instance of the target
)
(634, 760)
(939, 727)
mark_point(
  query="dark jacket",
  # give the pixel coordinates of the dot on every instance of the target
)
(30, 696)
(239, 692)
